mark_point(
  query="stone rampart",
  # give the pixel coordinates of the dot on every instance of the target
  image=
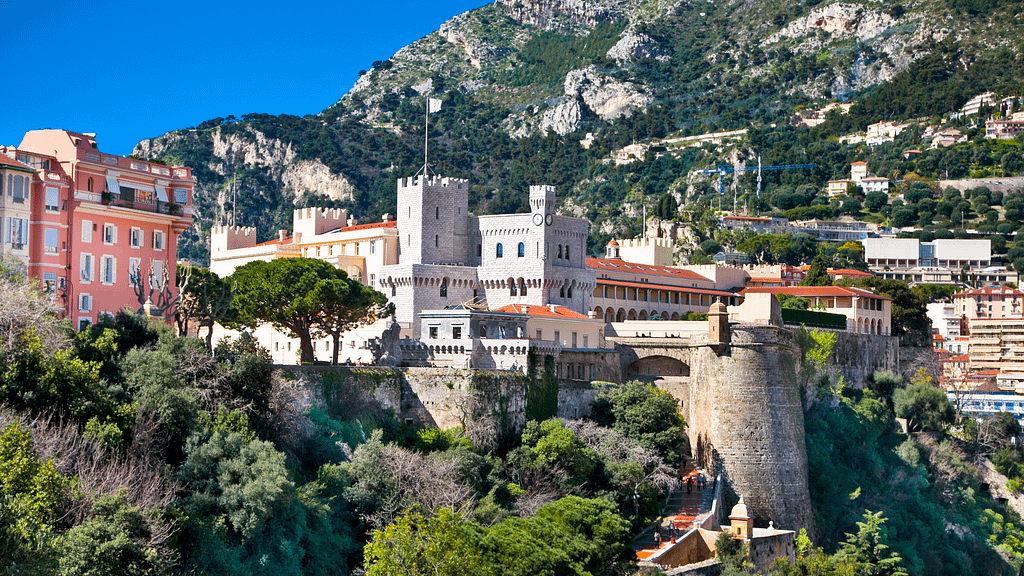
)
(481, 402)
(746, 421)
(856, 356)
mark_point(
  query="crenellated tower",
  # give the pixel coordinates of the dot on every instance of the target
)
(433, 220)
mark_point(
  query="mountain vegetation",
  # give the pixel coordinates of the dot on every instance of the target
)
(523, 83)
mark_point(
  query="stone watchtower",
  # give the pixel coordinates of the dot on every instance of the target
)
(718, 324)
(433, 220)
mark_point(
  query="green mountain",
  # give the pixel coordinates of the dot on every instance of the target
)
(524, 81)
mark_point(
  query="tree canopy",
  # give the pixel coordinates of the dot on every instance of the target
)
(306, 297)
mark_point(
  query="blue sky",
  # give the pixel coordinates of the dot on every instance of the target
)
(134, 70)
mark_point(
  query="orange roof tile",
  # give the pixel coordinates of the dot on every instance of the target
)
(9, 162)
(689, 289)
(850, 272)
(620, 265)
(538, 310)
(820, 291)
(388, 224)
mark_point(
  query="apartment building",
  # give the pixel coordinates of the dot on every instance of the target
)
(997, 344)
(993, 302)
(99, 231)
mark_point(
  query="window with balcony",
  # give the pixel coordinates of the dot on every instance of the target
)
(521, 252)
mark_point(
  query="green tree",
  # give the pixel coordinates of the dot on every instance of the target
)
(115, 540)
(345, 304)
(869, 548)
(205, 298)
(924, 406)
(304, 296)
(414, 545)
(818, 273)
(648, 415)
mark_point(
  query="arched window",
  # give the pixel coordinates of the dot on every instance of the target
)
(522, 287)
(566, 251)
(559, 250)
(568, 293)
(444, 288)
(498, 251)
(561, 293)
(522, 250)
(512, 286)
(89, 185)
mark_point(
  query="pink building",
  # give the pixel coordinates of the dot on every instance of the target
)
(993, 302)
(100, 231)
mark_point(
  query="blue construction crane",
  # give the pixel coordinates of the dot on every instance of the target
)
(724, 169)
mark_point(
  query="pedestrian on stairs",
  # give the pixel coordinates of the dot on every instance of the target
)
(657, 537)
(688, 484)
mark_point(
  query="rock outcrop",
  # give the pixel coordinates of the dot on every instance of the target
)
(608, 98)
(634, 46)
(561, 15)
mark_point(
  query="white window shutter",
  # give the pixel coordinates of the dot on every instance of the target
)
(86, 231)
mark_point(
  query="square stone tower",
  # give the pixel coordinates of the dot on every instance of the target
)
(433, 220)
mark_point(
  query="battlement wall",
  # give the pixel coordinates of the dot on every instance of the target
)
(232, 237)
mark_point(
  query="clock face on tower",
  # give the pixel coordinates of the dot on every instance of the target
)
(538, 219)
(549, 219)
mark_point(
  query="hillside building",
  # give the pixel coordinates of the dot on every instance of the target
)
(99, 231)
(1005, 128)
(997, 344)
(630, 291)
(866, 312)
(990, 303)
(956, 262)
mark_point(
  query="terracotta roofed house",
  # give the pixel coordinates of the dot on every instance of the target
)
(866, 312)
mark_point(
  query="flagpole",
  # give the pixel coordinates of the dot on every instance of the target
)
(426, 129)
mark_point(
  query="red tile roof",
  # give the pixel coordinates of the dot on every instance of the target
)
(538, 310)
(859, 163)
(620, 265)
(388, 224)
(991, 290)
(819, 291)
(287, 240)
(688, 289)
(850, 272)
(8, 162)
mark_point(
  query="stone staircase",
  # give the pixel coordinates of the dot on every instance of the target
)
(680, 510)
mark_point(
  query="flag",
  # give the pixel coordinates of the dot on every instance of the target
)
(433, 105)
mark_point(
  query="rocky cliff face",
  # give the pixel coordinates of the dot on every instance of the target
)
(562, 15)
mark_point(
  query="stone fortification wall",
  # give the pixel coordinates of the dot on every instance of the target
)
(746, 421)
(856, 356)
(575, 399)
(481, 402)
